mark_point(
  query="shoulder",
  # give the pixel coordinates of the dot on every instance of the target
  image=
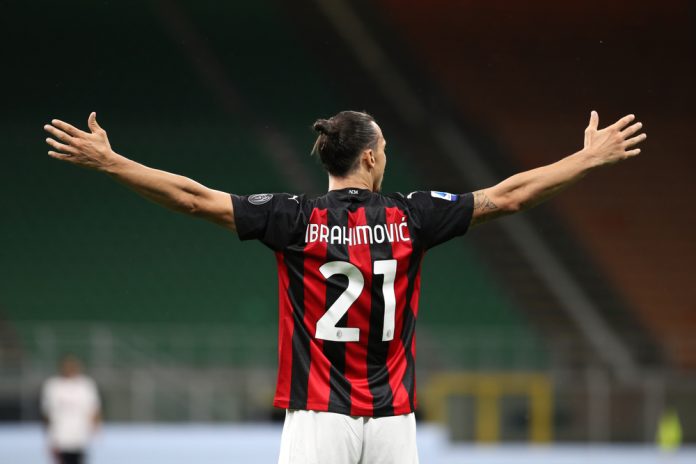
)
(413, 195)
(436, 197)
(260, 199)
(278, 202)
(412, 199)
(397, 197)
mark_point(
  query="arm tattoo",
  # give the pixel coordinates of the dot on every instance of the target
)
(484, 208)
(482, 202)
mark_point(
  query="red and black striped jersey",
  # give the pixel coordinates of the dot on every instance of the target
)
(349, 280)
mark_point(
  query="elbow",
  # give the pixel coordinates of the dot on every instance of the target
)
(193, 208)
(521, 199)
(189, 205)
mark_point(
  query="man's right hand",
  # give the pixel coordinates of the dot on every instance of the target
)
(87, 149)
(92, 150)
(613, 143)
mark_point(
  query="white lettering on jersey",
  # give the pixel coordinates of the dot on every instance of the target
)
(323, 233)
(366, 236)
(312, 233)
(335, 235)
(379, 238)
(390, 233)
(358, 235)
(402, 235)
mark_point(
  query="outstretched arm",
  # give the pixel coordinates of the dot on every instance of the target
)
(92, 150)
(522, 191)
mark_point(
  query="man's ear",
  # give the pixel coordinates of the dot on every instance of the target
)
(369, 157)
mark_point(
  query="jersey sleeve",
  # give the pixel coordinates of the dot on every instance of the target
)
(275, 219)
(441, 216)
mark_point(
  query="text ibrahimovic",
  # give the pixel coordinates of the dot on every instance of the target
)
(358, 235)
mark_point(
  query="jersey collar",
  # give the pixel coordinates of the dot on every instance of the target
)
(351, 193)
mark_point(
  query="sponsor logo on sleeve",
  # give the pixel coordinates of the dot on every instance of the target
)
(444, 195)
(260, 198)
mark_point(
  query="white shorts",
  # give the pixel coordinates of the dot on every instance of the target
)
(311, 437)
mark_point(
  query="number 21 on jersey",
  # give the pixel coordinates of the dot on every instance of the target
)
(326, 326)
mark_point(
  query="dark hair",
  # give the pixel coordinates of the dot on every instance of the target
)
(341, 140)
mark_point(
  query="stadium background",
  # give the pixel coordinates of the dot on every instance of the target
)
(573, 323)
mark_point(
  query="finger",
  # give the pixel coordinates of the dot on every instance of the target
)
(92, 122)
(60, 156)
(60, 147)
(633, 152)
(630, 130)
(635, 140)
(59, 134)
(594, 120)
(623, 122)
(67, 128)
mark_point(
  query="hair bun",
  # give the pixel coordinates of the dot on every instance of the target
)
(324, 126)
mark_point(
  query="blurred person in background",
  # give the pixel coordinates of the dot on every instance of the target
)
(71, 410)
(349, 271)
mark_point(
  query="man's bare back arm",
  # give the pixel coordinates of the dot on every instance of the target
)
(603, 147)
(93, 150)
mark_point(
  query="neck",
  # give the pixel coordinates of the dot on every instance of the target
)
(356, 181)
